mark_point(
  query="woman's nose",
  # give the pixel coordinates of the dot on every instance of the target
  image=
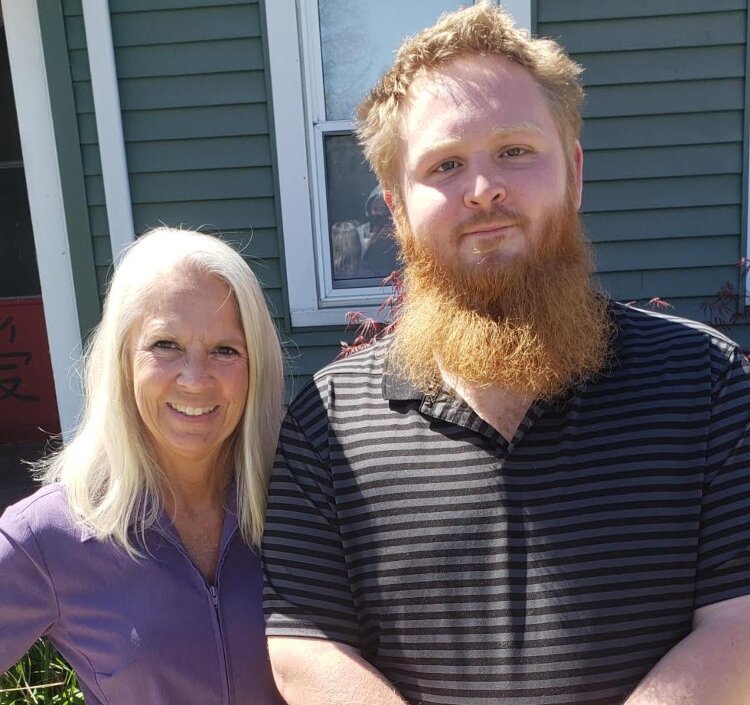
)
(194, 373)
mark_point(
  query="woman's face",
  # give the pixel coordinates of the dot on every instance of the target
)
(190, 370)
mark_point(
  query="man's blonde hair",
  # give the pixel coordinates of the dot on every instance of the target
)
(483, 30)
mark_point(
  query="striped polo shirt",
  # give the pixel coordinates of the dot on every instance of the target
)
(557, 568)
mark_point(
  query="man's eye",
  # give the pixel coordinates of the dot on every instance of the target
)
(447, 165)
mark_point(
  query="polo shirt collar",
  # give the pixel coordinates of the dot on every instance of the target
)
(397, 388)
(445, 405)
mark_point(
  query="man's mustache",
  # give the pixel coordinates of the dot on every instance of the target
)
(499, 216)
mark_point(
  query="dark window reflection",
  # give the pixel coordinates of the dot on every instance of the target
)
(18, 270)
(363, 251)
(10, 143)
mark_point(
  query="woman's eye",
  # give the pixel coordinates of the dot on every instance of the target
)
(164, 345)
(226, 351)
(514, 152)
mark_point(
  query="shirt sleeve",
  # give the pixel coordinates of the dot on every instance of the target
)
(28, 606)
(724, 540)
(306, 589)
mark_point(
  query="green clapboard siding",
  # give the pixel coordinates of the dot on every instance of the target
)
(663, 139)
(245, 54)
(195, 117)
(661, 130)
(644, 225)
(663, 142)
(193, 93)
(554, 10)
(195, 185)
(655, 162)
(178, 155)
(665, 98)
(658, 65)
(701, 29)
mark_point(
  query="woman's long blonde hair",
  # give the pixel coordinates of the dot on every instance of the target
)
(108, 471)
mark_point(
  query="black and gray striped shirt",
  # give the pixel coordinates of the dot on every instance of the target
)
(557, 568)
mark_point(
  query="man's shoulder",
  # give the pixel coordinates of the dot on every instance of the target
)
(362, 370)
(369, 361)
(645, 329)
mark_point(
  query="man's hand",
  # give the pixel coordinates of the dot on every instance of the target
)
(319, 672)
(711, 666)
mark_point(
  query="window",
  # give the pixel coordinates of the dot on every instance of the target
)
(19, 276)
(325, 55)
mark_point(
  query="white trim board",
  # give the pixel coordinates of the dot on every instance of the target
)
(296, 172)
(42, 171)
(106, 95)
(291, 159)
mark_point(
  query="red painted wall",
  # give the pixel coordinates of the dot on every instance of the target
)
(28, 407)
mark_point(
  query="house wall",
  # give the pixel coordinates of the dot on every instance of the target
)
(194, 95)
(664, 139)
(195, 119)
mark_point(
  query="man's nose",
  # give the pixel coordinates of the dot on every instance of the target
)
(485, 188)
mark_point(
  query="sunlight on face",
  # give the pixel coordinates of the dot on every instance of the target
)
(190, 369)
(484, 165)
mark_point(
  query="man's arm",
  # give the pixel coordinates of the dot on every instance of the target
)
(319, 672)
(311, 621)
(711, 666)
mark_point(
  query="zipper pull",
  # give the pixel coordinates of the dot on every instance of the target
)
(214, 595)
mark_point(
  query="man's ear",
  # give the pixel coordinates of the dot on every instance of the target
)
(390, 200)
(578, 172)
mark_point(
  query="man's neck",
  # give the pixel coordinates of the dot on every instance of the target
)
(501, 408)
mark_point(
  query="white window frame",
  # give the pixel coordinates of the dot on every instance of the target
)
(300, 128)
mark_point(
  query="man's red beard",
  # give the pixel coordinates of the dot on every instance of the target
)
(533, 326)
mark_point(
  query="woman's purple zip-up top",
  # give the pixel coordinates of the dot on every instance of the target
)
(135, 631)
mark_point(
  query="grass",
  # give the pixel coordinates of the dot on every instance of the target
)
(42, 677)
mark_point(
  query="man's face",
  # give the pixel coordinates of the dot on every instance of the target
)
(483, 165)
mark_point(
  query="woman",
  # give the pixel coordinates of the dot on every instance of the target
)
(138, 557)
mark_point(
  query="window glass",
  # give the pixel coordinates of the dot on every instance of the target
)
(18, 270)
(10, 142)
(362, 248)
(358, 38)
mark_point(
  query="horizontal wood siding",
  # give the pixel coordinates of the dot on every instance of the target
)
(663, 139)
(196, 122)
(663, 142)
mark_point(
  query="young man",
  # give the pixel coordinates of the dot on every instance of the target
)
(529, 494)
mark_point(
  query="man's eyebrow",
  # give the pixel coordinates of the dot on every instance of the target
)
(519, 128)
(498, 134)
